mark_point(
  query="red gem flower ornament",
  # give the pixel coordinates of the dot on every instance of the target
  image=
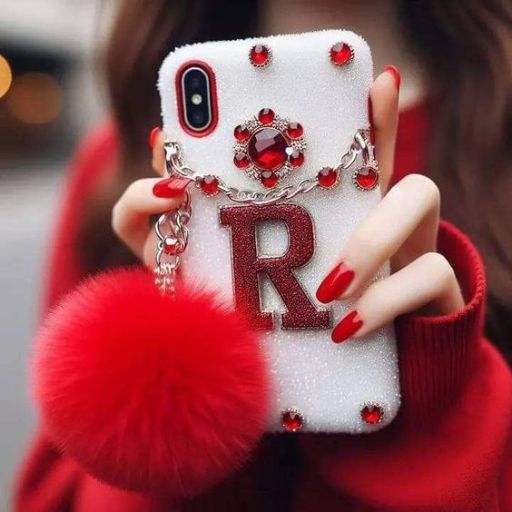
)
(268, 147)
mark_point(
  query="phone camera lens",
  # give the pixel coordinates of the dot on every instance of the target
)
(197, 118)
(196, 98)
(195, 82)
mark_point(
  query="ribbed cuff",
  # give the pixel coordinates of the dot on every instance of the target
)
(436, 352)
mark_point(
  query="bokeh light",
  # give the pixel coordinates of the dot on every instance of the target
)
(5, 76)
(35, 98)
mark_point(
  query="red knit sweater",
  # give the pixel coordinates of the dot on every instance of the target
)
(447, 450)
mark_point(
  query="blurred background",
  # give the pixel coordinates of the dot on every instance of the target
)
(50, 93)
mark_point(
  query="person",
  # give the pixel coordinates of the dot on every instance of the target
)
(449, 448)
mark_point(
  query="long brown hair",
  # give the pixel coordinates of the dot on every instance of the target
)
(466, 48)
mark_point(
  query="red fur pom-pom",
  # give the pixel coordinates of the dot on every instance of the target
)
(150, 392)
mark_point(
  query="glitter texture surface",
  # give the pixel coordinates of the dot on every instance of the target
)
(328, 383)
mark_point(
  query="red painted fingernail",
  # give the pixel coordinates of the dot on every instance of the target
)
(335, 283)
(153, 135)
(370, 119)
(396, 74)
(347, 327)
(170, 187)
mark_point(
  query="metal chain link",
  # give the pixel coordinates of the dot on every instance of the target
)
(171, 245)
(360, 145)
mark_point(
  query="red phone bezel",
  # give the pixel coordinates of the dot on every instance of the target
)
(213, 98)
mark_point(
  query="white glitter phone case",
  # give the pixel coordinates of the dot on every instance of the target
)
(319, 386)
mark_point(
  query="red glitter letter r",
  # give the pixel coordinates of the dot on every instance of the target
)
(247, 264)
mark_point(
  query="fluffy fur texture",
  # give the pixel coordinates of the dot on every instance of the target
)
(153, 393)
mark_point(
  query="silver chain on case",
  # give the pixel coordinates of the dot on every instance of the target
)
(360, 145)
(172, 234)
(171, 228)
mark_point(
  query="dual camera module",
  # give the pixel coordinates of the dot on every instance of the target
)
(196, 97)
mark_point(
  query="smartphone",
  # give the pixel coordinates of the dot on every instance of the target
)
(261, 114)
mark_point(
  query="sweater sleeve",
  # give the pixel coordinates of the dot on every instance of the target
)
(91, 163)
(446, 450)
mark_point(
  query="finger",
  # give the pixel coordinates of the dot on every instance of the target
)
(158, 155)
(428, 282)
(405, 220)
(130, 215)
(149, 249)
(384, 107)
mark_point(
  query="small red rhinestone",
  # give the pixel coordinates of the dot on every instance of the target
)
(269, 179)
(170, 246)
(292, 420)
(242, 133)
(327, 177)
(294, 130)
(341, 54)
(266, 116)
(259, 55)
(241, 160)
(372, 414)
(209, 185)
(297, 158)
(368, 179)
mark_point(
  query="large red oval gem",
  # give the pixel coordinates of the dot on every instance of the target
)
(341, 54)
(267, 149)
(367, 178)
(372, 414)
(292, 420)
